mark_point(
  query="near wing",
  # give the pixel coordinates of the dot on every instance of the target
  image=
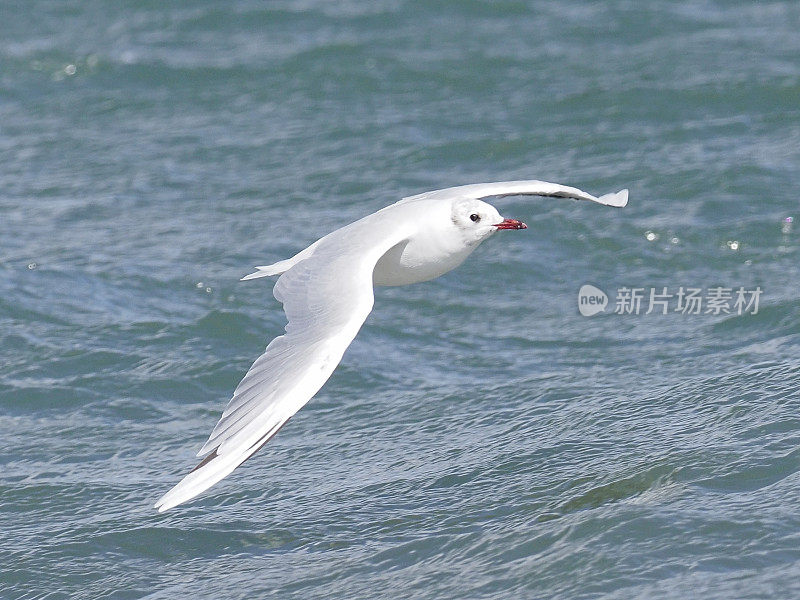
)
(326, 298)
(522, 188)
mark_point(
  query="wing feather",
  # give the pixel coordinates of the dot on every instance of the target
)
(326, 298)
(530, 187)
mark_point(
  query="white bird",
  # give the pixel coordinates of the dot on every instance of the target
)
(326, 292)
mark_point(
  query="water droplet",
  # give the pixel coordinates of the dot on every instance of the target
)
(675, 240)
(32, 266)
(651, 236)
(199, 285)
(208, 290)
(786, 225)
(748, 262)
(70, 69)
(733, 244)
(231, 298)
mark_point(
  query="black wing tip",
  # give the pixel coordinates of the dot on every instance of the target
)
(205, 461)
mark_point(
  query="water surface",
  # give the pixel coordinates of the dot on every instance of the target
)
(481, 439)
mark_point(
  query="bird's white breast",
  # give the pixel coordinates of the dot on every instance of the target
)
(423, 257)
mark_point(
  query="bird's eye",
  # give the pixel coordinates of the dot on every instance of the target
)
(475, 217)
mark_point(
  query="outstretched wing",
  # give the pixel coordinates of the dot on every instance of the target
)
(326, 298)
(521, 188)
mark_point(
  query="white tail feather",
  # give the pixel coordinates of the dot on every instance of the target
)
(282, 265)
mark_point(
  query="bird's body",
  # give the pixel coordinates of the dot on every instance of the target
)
(326, 291)
(424, 255)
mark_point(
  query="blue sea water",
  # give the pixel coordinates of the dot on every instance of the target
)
(481, 438)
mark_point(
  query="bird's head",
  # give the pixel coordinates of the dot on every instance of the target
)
(476, 220)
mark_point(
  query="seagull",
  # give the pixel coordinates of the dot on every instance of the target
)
(327, 293)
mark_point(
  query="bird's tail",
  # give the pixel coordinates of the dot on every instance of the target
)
(282, 265)
(273, 269)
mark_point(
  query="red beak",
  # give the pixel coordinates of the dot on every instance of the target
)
(511, 224)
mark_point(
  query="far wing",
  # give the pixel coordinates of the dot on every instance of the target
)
(521, 188)
(326, 298)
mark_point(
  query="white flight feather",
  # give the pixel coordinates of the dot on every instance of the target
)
(531, 187)
(326, 296)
